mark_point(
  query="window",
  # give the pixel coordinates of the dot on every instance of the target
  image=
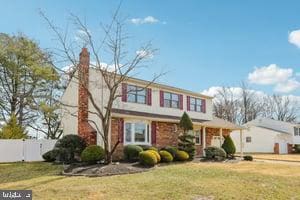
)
(198, 137)
(137, 133)
(248, 139)
(136, 94)
(171, 100)
(196, 104)
(296, 131)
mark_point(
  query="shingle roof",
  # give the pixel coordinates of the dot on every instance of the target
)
(221, 123)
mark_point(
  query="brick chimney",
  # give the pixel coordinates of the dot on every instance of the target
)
(85, 130)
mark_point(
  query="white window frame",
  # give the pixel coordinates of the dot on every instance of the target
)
(200, 136)
(147, 123)
(136, 94)
(296, 130)
(193, 106)
(171, 100)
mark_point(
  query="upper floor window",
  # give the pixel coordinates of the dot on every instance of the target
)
(171, 100)
(136, 94)
(296, 131)
(196, 104)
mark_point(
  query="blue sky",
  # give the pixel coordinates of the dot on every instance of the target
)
(201, 43)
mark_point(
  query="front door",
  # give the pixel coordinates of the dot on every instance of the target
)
(283, 147)
(216, 141)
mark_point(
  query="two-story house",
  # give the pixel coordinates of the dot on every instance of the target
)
(140, 116)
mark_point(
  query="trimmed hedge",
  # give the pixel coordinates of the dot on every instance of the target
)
(70, 146)
(50, 156)
(156, 154)
(148, 147)
(172, 150)
(248, 158)
(131, 152)
(165, 156)
(92, 154)
(147, 158)
(297, 148)
(181, 156)
(215, 153)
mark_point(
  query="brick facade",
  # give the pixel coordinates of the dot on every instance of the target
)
(290, 148)
(85, 130)
(166, 135)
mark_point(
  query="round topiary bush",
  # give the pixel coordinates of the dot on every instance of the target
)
(92, 154)
(70, 146)
(50, 156)
(131, 152)
(215, 153)
(229, 146)
(147, 158)
(181, 156)
(156, 154)
(172, 150)
(165, 156)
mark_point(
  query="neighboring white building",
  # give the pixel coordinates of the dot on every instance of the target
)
(268, 136)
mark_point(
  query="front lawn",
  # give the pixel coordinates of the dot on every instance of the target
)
(246, 180)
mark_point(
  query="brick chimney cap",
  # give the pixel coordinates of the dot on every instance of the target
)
(84, 51)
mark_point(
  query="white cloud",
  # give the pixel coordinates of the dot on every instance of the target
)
(146, 20)
(144, 53)
(283, 79)
(271, 74)
(236, 91)
(294, 38)
(288, 86)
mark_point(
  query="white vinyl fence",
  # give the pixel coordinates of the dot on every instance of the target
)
(24, 150)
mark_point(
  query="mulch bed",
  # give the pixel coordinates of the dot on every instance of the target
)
(99, 170)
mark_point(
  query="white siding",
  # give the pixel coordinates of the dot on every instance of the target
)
(262, 140)
(69, 113)
(156, 109)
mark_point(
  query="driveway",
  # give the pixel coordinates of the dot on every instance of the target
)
(278, 157)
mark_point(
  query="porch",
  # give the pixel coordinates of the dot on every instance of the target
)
(212, 133)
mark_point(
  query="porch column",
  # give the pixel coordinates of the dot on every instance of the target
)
(204, 139)
(221, 136)
(241, 144)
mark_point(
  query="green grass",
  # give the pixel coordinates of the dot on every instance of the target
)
(247, 180)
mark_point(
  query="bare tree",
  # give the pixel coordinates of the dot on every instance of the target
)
(244, 105)
(281, 108)
(249, 104)
(122, 67)
(225, 105)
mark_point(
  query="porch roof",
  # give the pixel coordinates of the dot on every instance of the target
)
(221, 123)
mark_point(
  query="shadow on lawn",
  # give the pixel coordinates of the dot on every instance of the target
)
(12, 172)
